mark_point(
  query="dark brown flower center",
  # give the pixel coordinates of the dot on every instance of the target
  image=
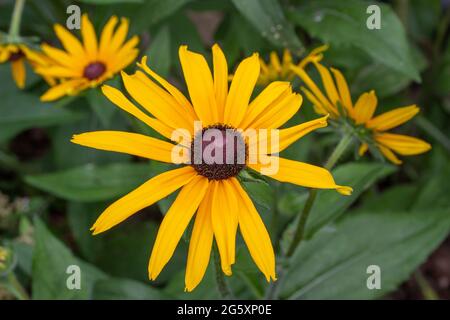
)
(218, 152)
(94, 70)
(16, 56)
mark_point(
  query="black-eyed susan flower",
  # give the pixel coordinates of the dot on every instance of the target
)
(210, 187)
(372, 130)
(275, 69)
(87, 64)
(17, 55)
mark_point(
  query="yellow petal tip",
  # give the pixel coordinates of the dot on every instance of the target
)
(346, 191)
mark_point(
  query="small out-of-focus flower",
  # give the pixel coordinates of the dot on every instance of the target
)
(17, 55)
(275, 69)
(336, 101)
(4, 258)
(87, 64)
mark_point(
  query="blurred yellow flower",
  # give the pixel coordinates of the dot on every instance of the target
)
(211, 189)
(17, 55)
(85, 65)
(281, 70)
(337, 102)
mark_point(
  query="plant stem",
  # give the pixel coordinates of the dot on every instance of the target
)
(441, 31)
(14, 27)
(332, 160)
(433, 131)
(221, 284)
(425, 287)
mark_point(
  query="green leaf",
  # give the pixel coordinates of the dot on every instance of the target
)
(20, 110)
(110, 1)
(50, 261)
(102, 107)
(268, 18)
(90, 182)
(125, 289)
(344, 23)
(333, 264)
(159, 53)
(153, 11)
(329, 204)
(443, 77)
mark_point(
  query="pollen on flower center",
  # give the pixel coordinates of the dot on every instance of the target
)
(218, 152)
(94, 70)
(16, 56)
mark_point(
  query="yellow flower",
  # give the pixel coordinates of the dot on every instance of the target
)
(337, 102)
(281, 70)
(209, 189)
(17, 54)
(88, 64)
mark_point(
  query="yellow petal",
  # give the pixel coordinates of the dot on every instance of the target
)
(363, 149)
(255, 234)
(300, 173)
(393, 118)
(175, 222)
(344, 92)
(125, 55)
(106, 36)
(178, 96)
(278, 112)
(126, 142)
(389, 155)
(200, 85)
(59, 72)
(119, 99)
(157, 101)
(119, 36)
(18, 72)
(241, 89)
(224, 221)
(365, 107)
(60, 56)
(89, 37)
(318, 106)
(328, 83)
(64, 88)
(272, 93)
(220, 79)
(326, 104)
(70, 42)
(200, 244)
(275, 61)
(401, 144)
(145, 195)
(289, 135)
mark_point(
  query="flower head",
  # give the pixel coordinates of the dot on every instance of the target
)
(17, 55)
(281, 70)
(85, 65)
(210, 188)
(371, 129)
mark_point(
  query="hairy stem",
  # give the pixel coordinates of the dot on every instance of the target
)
(332, 160)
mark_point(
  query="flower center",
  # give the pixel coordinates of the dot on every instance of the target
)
(16, 56)
(218, 152)
(94, 70)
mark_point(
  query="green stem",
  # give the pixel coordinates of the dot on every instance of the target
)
(221, 284)
(441, 31)
(332, 160)
(433, 131)
(425, 287)
(14, 27)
